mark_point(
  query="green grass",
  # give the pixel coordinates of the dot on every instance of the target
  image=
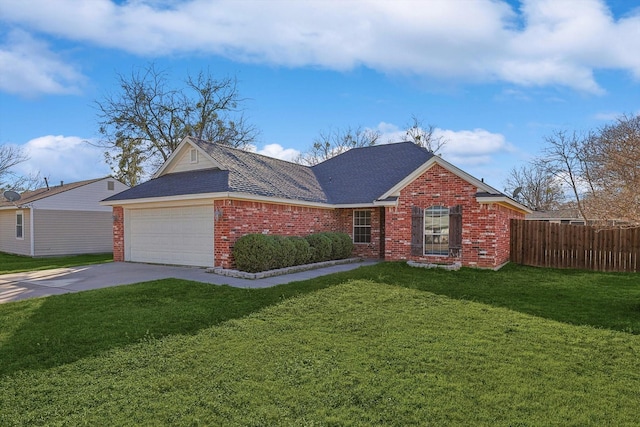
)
(17, 263)
(602, 300)
(383, 345)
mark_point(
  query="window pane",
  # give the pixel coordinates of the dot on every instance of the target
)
(362, 226)
(436, 233)
(19, 226)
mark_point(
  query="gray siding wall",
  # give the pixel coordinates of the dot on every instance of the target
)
(8, 241)
(72, 232)
(85, 198)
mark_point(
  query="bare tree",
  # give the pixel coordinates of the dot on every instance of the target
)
(10, 156)
(565, 158)
(423, 136)
(602, 170)
(145, 121)
(612, 155)
(334, 142)
(534, 186)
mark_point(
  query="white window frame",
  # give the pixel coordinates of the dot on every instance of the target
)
(20, 226)
(430, 231)
(193, 156)
(361, 226)
(111, 186)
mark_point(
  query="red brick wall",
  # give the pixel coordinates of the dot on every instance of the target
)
(503, 232)
(485, 228)
(118, 233)
(345, 225)
(245, 217)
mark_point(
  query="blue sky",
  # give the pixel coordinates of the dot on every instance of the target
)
(494, 77)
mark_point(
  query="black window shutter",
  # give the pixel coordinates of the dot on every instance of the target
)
(417, 231)
(455, 230)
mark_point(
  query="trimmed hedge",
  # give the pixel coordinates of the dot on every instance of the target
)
(320, 247)
(259, 252)
(255, 252)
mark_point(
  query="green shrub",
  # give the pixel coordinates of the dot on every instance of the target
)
(320, 247)
(336, 245)
(346, 247)
(255, 252)
(341, 245)
(285, 252)
(258, 252)
(303, 250)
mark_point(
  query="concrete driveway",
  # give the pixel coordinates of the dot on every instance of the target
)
(17, 286)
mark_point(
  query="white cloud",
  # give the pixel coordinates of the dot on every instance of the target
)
(543, 42)
(471, 143)
(63, 158)
(462, 148)
(28, 67)
(279, 152)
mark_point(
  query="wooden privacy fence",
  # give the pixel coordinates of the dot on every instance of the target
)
(543, 244)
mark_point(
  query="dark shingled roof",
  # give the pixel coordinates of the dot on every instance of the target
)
(265, 176)
(178, 184)
(362, 175)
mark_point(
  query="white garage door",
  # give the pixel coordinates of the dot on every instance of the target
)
(180, 235)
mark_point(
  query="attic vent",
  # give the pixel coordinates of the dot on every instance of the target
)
(194, 155)
(110, 185)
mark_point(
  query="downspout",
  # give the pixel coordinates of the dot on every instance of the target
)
(31, 231)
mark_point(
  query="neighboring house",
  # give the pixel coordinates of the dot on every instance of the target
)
(557, 216)
(59, 220)
(397, 201)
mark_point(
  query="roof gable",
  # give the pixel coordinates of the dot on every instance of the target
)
(28, 197)
(181, 159)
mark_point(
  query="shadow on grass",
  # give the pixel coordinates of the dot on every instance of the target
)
(601, 300)
(47, 332)
(10, 263)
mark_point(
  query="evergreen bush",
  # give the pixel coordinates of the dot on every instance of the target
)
(258, 252)
(321, 247)
(255, 252)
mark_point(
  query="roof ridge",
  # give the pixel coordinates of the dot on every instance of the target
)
(228, 147)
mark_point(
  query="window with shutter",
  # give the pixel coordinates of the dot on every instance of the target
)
(436, 230)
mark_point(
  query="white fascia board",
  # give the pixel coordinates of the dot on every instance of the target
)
(177, 152)
(17, 207)
(207, 197)
(375, 204)
(395, 190)
(504, 200)
(181, 198)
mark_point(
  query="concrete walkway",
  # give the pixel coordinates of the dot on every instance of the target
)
(17, 286)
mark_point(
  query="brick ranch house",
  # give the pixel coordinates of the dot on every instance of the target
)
(397, 201)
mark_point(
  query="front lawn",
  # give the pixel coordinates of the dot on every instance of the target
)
(382, 345)
(10, 263)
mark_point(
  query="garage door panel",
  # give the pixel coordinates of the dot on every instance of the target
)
(177, 235)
